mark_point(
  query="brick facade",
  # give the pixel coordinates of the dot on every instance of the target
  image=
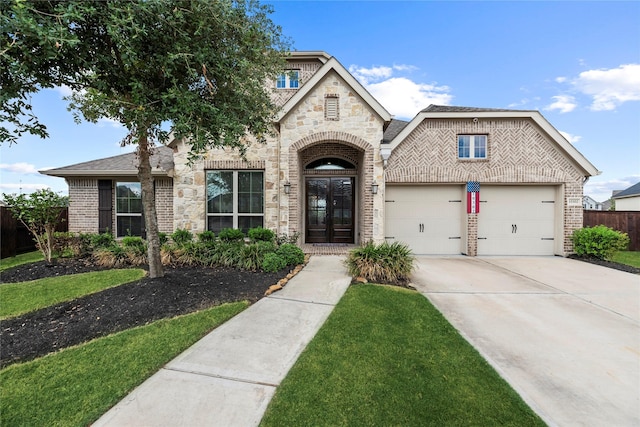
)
(518, 152)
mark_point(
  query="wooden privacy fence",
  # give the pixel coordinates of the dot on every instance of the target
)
(625, 221)
(15, 238)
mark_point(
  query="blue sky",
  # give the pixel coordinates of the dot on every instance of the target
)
(578, 63)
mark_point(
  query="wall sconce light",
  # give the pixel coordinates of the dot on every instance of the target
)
(287, 187)
(374, 187)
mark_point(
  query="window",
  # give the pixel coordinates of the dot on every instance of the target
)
(235, 199)
(288, 80)
(128, 209)
(472, 146)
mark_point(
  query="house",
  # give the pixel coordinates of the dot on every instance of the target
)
(588, 203)
(628, 199)
(341, 170)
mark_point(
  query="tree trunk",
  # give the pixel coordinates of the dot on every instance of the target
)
(149, 208)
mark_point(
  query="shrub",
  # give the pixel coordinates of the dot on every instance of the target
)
(114, 256)
(273, 262)
(134, 243)
(102, 240)
(207, 237)
(384, 263)
(599, 242)
(259, 234)
(164, 238)
(292, 254)
(231, 235)
(181, 237)
(228, 253)
(68, 244)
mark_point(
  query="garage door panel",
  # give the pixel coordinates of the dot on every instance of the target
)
(427, 218)
(517, 220)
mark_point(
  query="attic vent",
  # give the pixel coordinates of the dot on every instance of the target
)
(331, 107)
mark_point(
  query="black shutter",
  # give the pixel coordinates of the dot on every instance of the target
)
(105, 206)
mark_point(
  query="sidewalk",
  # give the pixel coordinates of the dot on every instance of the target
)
(228, 377)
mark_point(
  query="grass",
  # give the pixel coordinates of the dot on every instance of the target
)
(386, 356)
(27, 258)
(22, 297)
(631, 258)
(75, 386)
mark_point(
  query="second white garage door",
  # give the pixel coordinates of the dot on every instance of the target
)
(516, 220)
(428, 218)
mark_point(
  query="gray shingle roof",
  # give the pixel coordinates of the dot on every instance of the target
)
(123, 164)
(634, 190)
(394, 128)
(454, 109)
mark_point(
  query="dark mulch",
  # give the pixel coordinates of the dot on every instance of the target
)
(609, 264)
(182, 290)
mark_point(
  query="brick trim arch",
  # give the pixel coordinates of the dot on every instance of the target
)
(364, 206)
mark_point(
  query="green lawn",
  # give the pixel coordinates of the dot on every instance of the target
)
(75, 386)
(387, 357)
(631, 258)
(20, 259)
(19, 298)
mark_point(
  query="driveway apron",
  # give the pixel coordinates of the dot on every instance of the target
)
(229, 377)
(565, 334)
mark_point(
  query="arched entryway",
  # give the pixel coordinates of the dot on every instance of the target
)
(330, 201)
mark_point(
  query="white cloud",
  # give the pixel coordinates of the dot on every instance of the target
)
(23, 168)
(602, 190)
(562, 103)
(21, 188)
(610, 87)
(400, 95)
(106, 121)
(571, 138)
(561, 79)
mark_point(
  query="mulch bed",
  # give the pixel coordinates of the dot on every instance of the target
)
(182, 290)
(608, 264)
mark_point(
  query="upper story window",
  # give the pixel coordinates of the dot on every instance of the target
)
(472, 146)
(288, 80)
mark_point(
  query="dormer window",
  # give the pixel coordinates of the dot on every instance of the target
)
(288, 80)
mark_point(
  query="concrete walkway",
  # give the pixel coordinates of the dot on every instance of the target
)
(565, 334)
(229, 377)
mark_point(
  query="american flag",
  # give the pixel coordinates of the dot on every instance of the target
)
(473, 197)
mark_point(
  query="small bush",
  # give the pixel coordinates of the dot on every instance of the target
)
(164, 238)
(231, 235)
(599, 242)
(384, 263)
(134, 243)
(292, 254)
(113, 257)
(102, 240)
(207, 237)
(68, 244)
(273, 262)
(259, 234)
(181, 237)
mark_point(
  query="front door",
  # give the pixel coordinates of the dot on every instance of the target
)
(329, 214)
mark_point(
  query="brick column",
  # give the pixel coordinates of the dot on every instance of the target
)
(472, 234)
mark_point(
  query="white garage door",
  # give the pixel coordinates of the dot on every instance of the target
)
(427, 218)
(516, 220)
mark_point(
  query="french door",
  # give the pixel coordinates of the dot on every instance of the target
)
(329, 210)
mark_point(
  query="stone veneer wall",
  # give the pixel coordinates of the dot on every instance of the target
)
(517, 152)
(358, 128)
(83, 205)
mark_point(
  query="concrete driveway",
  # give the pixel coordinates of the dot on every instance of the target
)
(565, 334)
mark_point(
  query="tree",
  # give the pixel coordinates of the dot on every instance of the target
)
(40, 212)
(198, 66)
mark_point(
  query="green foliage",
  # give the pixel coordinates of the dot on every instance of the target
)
(102, 240)
(134, 243)
(207, 236)
(68, 244)
(261, 234)
(231, 235)
(164, 238)
(292, 254)
(181, 237)
(273, 262)
(384, 263)
(599, 242)
(40, 212)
